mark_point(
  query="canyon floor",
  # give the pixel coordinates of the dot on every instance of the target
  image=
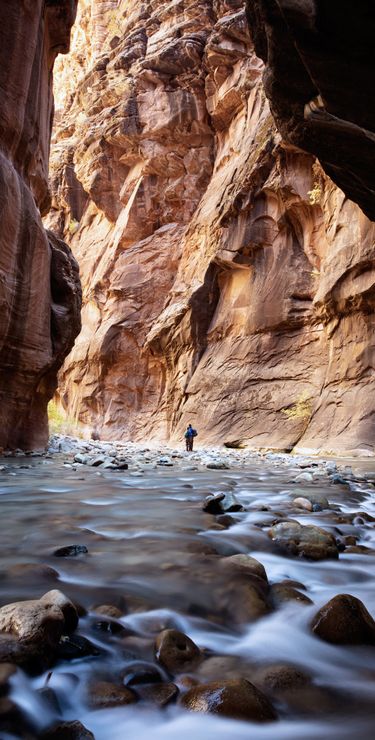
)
(195, 576)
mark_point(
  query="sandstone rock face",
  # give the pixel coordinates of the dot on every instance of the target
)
(227, 281)
(319, 74)
(39, 284)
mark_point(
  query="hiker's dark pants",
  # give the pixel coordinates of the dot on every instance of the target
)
(189, 444)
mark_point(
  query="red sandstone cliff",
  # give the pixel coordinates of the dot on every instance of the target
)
(227, 281)
(39, 284)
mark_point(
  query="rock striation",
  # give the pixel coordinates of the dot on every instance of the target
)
(39, 283)
(227, 281)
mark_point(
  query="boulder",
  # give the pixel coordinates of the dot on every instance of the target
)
(307, 541)
(244, 564)
(39, 622)
(344, 620)
(236, 698)
(175, 650)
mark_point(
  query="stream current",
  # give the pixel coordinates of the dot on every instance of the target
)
(154, 554)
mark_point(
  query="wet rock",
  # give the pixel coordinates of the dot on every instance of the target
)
(110, 622)
(49, 697)
(11, 719)
(220, 503)
(303, 503)
(175, 650)
(76, 646)
(165, 461)
(104, 694)
(82, 459)
(219, 465)
(244, 599)
(67, 731)
(34, 571)
(161, 694)
(304, 478)
(282, 594)
(280, 677)
(314, 498)
(7, 670)
(39, 622)
(225, 666)
(141, 673)
(244, 564)
(236, 698)
(344, 620)
(226, 520)
(338, 479)
(307, 541)
(70, 551)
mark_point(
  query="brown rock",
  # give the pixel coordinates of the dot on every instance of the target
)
(303, 503)
(39, 288)
(281, 677)
(67, 731)
(104, 694)
(41, 622)
(237, 698)
(161, 694)
(244, 564)
(7, 670)
(282, 594)
(309, 541)
(344, 620)
(175, 651)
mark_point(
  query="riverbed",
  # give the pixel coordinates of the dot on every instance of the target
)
(157, 557)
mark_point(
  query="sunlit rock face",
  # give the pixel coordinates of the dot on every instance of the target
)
(227, 281)
(39, 284)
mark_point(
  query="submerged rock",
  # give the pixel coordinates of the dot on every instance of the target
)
(344, 620)
(236, 698)
(104, 694)
(71, 551)
(307, 541)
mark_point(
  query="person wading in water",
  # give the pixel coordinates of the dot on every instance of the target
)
(189, 437)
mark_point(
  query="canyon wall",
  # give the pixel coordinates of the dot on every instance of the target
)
(227, 281)
(39, 282)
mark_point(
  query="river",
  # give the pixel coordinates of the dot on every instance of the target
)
(154, 554)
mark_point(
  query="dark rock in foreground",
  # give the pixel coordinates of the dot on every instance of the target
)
(344, 620)
(237, 698)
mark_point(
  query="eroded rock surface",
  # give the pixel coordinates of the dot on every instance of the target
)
(227, 281)
(319, 74)
(39, 283)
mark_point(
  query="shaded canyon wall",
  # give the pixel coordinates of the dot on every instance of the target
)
(227, 281)
(39, 283)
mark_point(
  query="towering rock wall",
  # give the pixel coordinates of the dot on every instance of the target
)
(227, 281)
(39, 284)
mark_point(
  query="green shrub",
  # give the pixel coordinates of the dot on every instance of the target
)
(300, 409)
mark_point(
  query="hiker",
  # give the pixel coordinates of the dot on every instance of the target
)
(189, 437)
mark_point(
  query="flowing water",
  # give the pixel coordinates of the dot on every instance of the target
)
(155, 554)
